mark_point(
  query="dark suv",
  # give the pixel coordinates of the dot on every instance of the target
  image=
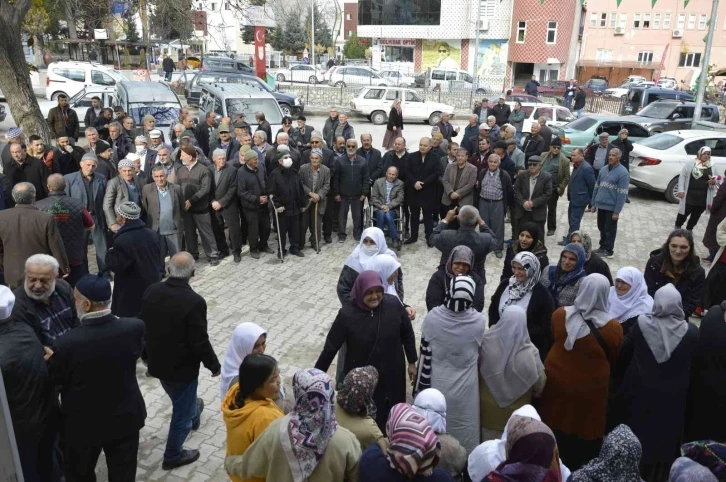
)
(668, 115)
(225, 64)
(290, 104)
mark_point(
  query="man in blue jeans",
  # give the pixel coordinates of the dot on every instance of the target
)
(386, 197)
(579, 192)
(176, 343)
(608, 199)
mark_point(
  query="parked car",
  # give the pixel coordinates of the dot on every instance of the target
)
(643, 94)
(290, 104)
(667, 115)
(225, 64)
(299, 73)
(230, 99)
(596, 85)
(345, 75)
(375, 104)
(449, 79)
(71, 77)
(667, 83)
(656, 162)
(398, 78)
(553, 88)
(583, 131)
(623, 89)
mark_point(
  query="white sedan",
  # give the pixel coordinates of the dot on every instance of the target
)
(397, 78)
(299, 73)
(656, 162)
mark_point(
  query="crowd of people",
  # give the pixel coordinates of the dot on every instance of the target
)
(573, 374)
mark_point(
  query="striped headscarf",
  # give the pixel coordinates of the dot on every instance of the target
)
(414, 447)
(461, 293)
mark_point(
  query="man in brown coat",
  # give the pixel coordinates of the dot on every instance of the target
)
(25, 231)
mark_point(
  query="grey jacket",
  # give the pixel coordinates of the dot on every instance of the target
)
(77, 190)
(150, 201)
(321, 188)
(378, 193)
(117, 193)
(465, 189)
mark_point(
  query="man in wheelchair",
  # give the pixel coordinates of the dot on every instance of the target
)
(386, 198)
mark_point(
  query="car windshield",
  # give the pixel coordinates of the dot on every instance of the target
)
(597, 82)
(165, 113)
(657, 111)
(251, 105)
(660, 142)
(582, 124)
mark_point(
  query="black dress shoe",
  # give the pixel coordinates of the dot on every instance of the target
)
(410, 241)
(551, 232)
(328, 239)
(214, 261)
(198, 421)
(269, 250)
(186, 458)
(255, 254)
(299, 254)
(237, 258)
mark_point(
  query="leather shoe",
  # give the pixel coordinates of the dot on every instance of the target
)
(561, 242)
(214, 261)
(197, 421)
(551, 232)
(186, 458)
(299, 254)
(328, 240)
(410, 241)
(269, 250)
(237, 258)
(255, 254)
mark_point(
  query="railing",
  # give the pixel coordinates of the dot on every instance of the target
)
(604, 103)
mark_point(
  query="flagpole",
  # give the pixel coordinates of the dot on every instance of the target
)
(703, 80)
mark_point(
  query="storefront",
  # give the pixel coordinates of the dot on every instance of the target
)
(397, 50)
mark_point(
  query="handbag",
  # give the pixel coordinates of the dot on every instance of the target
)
(600, 339)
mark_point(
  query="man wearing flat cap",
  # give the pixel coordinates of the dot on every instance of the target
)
(558, 166)
(225, 142)
(124, 187)
(148, 125)
(532, 190)
(252, 194)
(597, 155)
(101, 404)
(156, 140)
(134, 258)
(533, 144)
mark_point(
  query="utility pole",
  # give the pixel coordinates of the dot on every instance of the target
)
(312, 31)
(705, 62)
(476, 52)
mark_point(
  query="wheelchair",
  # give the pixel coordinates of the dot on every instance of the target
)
(370, 220)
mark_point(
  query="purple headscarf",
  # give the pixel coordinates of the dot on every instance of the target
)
(366, 280)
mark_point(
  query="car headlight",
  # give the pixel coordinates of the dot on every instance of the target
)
(297, 101)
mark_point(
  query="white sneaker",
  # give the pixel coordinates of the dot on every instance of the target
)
(245, 249)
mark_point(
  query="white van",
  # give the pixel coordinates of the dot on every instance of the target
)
(69, 78)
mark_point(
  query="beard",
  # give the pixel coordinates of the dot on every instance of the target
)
(40, 297)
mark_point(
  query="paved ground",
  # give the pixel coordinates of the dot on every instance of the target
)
(296, 303)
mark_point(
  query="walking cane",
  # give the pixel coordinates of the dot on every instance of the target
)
(279, 235)
(317, 240)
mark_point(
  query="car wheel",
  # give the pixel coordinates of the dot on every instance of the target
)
(672, 191)
(286, 110)
(480, 91)
(56, 94)
(280, 78)
(313, 79)
(340, 83)
(379, 117)
(434, 118)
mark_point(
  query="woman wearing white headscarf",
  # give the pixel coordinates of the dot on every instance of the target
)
(629, 298)
(388, 268)
(651, 400)
(524, 290)
(247, 338)
(450, 338)
(586, 341)
(431, 403)
(488, 455)
(511, 371)
(697, 186)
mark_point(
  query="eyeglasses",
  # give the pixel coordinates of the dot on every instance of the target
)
(442, 51)
(556, 147)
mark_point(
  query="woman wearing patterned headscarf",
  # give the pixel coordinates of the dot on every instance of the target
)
(511, 371)
(354, 406)
(586, 342)
(377, 331)
(686, 470)
(697, 187)
(629, 298)
(593, 262)
(460, 262)
(524, 290)
(651, 399)
(619, 459)
(307, 445)
(563, 279)
(413, 454)
(450, 338)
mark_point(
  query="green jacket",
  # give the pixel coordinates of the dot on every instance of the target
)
(559, 168)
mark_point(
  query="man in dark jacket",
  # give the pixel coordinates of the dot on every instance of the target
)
(597, 154)
(33, 409)
(25, 168)
(350, 186)
(120, 144)
(581, 184)
(532, 190)
(501, 111)
(373, 158)
(330, 160)
(302, 135)
(263, 125)
(331, 123)
(533, 144)
(134, 259)
(104, 157)
(471, 131)
(62, 120)
(532, 86)
(163, 203)
(93, 112)
(288, 199)
(252, 194)
(225, 206)
(203, 132)
(176, 343)
(73, 220)
(103, 121)
(580, 99)
(95, 367)
(545, 132)
(445, 128)
(227, 143)
(421, 176)
(344, 129)
(168, 66)
(68, 156)
(480, 242)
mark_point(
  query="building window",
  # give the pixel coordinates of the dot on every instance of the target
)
(603, 20)
(551, 32)
(227, 6)
(348, 16)
(613, 20)
(350, 33)
(645, 57)
(681, 21)
(656, 20)
(199, 6)
(603, 55)
(593, 20)
(623, 20)
(488, 8)
(646, 20)
(689, 60)
(667, 20)
(691, 21)
(636, 21)
(702, 22)
(521, 31)
(213, 7)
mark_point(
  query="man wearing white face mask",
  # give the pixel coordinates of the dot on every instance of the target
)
(286, 189)
(147, 156)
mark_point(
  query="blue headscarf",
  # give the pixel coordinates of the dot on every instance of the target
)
(558, 279)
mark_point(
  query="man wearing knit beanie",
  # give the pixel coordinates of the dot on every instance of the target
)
(105, 167)
(124, 187)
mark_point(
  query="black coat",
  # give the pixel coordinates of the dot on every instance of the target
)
(33, 170)
(26, 311)
(106, 169)
(350, 178)
(224, 191)
(533, 146)
(439, 283)
(176, 332)
(427, 171)
(286, 189)
(690, 285)
(264, 126)
(625, 147)
(203, 132)
(95, 367)
(539, 316)
(375, 163)
(501, 113)
(378, 338)
(68, 162)
(480, 242)
(580, 98)
(546, 133)
(250, 186)
(391, 159)
(135, 259)
(540, 252)
(394, 120)
(598, 265)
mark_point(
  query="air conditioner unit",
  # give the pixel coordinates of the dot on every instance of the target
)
(619, 30)
(484, 24)
(677, 33)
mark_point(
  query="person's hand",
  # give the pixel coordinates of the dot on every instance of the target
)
(362, 198)
(384, 208)
(615, 216)
(316, 197)
(451, 215)
(411, 313)
(681, 195)
(593, 209)
(48, 353)
(216, 206)
(217, 373)
(480, 222)
(263, 199)
(412, 372)
(115, 227)
(454, 195)
(68, 148)
(280, 209)
(187, 205)
(337, 198)
(418, 185)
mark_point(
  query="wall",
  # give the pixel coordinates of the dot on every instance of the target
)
(352, 24)
(455, 24)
